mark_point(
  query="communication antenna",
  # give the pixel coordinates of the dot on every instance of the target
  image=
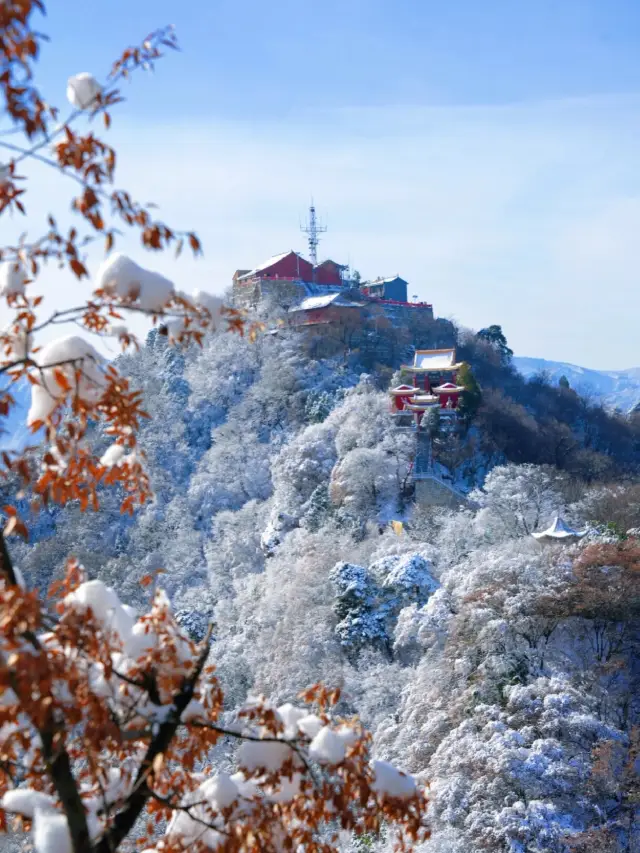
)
(313, 229)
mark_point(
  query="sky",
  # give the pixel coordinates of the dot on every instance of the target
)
(485, 151)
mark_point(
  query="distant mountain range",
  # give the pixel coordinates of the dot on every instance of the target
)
(616, 389)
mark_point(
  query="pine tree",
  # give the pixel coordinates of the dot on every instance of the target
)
(318, 508)
(362, 622)
(431, 422)
(496, 337)
(471, 397)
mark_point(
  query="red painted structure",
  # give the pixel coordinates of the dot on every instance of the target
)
(449, 394)
(400, 400)
(290, 265)
(434, 374)
(328, 272)
(446, 390)
(335, 314)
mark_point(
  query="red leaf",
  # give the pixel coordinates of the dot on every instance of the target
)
(79, 269)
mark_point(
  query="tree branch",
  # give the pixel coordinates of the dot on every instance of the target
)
(58, 764)
(6, 565)
(125, 820)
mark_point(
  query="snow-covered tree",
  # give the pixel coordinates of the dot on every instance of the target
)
(361, 621)
(516, 500)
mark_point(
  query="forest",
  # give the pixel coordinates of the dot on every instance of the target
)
(501, 672)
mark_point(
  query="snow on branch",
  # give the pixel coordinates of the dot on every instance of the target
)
(134, 707)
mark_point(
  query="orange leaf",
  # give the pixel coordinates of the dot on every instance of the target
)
(147, 580)
(78, 268)
(61, 379)
(21, 530)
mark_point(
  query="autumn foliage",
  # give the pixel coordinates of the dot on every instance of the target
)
(108, 717)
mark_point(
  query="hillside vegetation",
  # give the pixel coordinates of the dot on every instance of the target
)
(503, 673)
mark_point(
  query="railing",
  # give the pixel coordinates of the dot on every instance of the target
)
(399, 302)
(426, 472)
(320, 285)
(255, 278)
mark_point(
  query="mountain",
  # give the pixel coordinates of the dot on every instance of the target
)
(472, 660)
(616, 389)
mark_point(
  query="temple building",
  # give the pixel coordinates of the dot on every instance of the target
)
(288, 278)
(434, 374)
(393, 288)
(329, 308)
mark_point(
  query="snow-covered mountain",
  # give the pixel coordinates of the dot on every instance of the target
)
(617, 389)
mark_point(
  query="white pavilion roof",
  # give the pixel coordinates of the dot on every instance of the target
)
(448, 388)
(425, 398)
(434, 359)
(324, 301)
(559, 530)
(389, 278)
(404, 389)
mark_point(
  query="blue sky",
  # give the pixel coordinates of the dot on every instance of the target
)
(487, 151)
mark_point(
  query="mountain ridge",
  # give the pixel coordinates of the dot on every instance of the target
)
(616, 389)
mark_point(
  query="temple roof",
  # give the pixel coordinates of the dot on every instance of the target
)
(433, 361)
(559, 530)
(328, 262)
(270, 262)
(314, 302)
(404, 389)
(422, 402)
(448, 388)
(425, 399)
(387, 280)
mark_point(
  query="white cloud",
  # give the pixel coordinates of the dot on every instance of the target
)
(523, 215)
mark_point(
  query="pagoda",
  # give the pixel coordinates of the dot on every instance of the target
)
(559, 531)
(434, 385)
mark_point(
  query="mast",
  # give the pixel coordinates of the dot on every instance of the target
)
(313, 229)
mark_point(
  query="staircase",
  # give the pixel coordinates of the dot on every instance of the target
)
(430, 488)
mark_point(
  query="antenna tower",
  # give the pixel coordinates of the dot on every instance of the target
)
(313, 230)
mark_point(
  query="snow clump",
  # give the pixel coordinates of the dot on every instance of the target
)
(82, 90)
(12, 278)
(66, 355)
